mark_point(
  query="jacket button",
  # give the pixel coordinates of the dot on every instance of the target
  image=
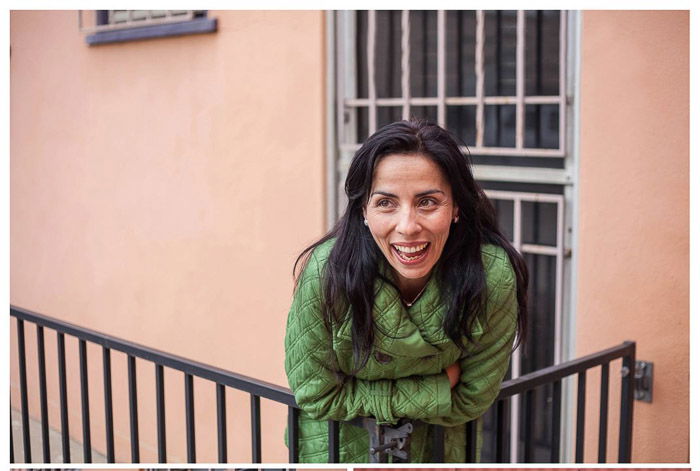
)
(382, 358)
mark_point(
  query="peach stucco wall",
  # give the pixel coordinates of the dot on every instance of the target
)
(160, 191)
(633, 220)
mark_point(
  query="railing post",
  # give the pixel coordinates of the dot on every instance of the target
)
(26, 439)
(627, 405)
(333, 441)
(293, 434)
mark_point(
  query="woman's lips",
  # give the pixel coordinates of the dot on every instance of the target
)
(411, 256)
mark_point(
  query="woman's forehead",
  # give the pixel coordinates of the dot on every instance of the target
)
(415, 173)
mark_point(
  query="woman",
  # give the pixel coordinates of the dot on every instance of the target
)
(409, 306)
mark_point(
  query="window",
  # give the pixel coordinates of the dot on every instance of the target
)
(498, 80)
(130, 25)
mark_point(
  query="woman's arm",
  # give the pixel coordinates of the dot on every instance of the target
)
(486, 363)
(323, 394)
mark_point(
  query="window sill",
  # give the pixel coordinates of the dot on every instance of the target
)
(196, 26)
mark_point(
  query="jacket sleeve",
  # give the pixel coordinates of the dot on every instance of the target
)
(485, 365)
(323, 394)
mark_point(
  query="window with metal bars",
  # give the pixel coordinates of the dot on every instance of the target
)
(498, 81)
(128, 25)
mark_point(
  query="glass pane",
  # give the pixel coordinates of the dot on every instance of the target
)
(499, 125)
(387, 115)
(461, 120)
(424, 112)
(387, 58)
(542, 52)
(539, 223)
(423, 56)
(361, 54)
(504, 215)
(460, 45)
(538, 351)
(542, 126)
(499, 53)
(362, 120)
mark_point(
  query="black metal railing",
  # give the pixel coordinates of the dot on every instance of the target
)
(524, 385)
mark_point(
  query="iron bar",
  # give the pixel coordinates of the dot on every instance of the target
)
(501, 431)
(439, 444)
(85, 401)
(603, 418)
(12, 440)
(109, 416)
(221, 422)
(580, 416)
(133, 410)
(63, 394)
(255, 428)
(556, 422)
(41, 357)
(333, 441)
(528, 452)
(471, 441)
(293, 434)
(26, 439)
(626, 407)
(160, 414)
(189, 416)
(237, 381)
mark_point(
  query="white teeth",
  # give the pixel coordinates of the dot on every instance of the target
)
(414, 249)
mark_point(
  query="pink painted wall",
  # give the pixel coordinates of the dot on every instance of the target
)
(160, 191)
(634, 208)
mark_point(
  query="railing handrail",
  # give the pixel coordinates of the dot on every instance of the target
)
(559, 371)
(219, 375)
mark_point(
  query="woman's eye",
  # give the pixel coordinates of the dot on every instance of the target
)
(427, 203)
(383, 203)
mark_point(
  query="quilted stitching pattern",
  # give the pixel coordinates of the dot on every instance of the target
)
(412, 384)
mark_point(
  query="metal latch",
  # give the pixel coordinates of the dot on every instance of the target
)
(643, 379)
(385, 440)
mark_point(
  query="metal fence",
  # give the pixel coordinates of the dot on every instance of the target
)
(260, 389)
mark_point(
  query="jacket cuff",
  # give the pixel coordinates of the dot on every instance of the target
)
(443, 396)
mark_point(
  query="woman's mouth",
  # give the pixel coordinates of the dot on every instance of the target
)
(411, 254)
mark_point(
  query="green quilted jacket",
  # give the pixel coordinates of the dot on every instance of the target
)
(404, 376)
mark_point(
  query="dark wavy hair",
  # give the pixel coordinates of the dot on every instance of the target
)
(352, 268)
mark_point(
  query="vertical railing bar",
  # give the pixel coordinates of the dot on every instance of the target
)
(603, 418)
(41, 358)
(189, 416)
(528, 419)
(516, 358)
(500, 431)
(221, 422)
(559, 286)
(293, 433)
(479, 72)
(12, 440)
(63, 396)
(405, 64)
(371, 38)
(471, 441)
(626, 407)
(26, 439)
(255, 428)
(439, 444)
(441, 72)
(520, 80)
(133, 410)
(109, 413)
(160, 414)
(333, 441)
(580, 416)
(556, 422)
(85, 401)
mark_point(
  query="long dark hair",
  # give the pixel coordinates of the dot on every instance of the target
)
(352, 267)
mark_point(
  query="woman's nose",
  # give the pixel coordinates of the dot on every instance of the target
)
(408, 223)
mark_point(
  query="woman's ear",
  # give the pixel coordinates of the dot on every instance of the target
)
(455, 215)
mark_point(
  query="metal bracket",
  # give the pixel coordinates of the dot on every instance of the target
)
(643, 379)
(385, 440)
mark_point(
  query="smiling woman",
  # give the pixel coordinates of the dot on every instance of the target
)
(408, 308)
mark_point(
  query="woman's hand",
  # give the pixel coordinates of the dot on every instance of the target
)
(453, 373)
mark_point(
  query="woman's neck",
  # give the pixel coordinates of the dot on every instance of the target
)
(411, 289)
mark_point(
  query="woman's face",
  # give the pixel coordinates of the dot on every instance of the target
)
(409, 213)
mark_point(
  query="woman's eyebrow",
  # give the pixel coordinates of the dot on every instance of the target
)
(418, 195)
